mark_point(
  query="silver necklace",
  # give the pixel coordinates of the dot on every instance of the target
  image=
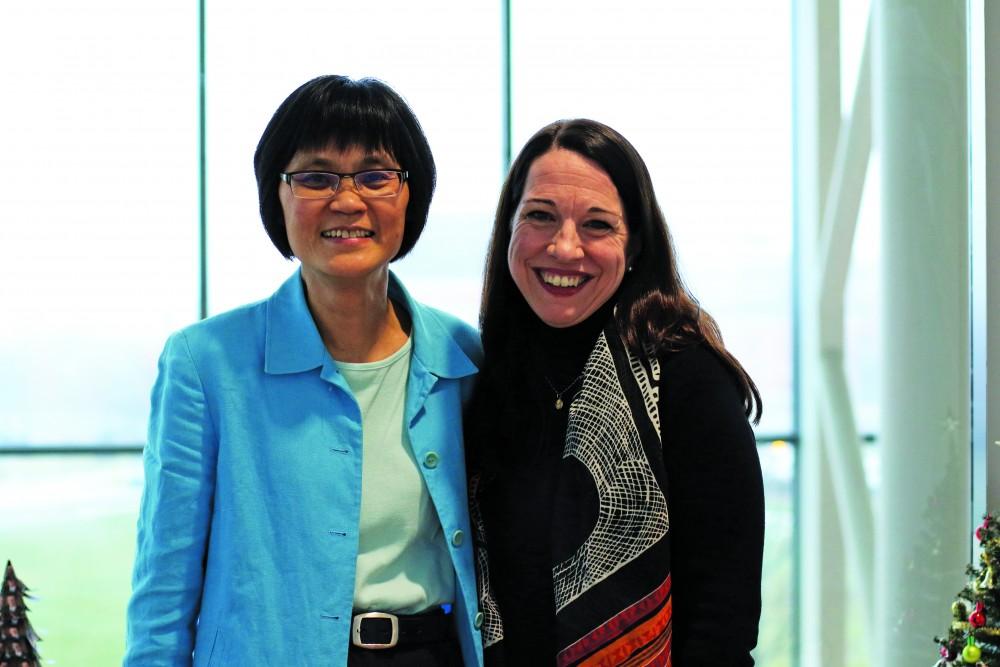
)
(559, 394)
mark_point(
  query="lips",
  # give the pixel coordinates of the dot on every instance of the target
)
(347, 233)
(562, 279)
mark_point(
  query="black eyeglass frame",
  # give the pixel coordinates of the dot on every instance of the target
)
(402, 173)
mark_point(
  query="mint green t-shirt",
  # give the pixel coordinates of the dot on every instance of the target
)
(403, 561)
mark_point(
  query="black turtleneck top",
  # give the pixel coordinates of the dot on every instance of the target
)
(517, 505)
(715, 500)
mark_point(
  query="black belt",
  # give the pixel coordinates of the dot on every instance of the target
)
(378, 630)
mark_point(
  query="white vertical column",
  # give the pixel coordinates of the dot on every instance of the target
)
(822, 576)
(919, 94)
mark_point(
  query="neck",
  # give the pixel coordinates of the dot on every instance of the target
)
(564, 351)
(356, 320)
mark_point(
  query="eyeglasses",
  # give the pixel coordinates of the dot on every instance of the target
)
(324, 184)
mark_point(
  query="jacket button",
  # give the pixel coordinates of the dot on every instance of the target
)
(478, 620)
(431, 460)
(457, 538)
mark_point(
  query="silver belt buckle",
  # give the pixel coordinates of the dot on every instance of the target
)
(356, 629)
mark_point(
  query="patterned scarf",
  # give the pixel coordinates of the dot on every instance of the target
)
(612, 596)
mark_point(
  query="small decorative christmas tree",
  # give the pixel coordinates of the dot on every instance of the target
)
(974, 636)
(17, 639)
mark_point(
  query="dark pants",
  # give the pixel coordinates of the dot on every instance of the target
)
(445, 653)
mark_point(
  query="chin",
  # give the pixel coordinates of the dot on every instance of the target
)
(559, 321)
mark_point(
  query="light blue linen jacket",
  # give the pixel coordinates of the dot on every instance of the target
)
(248, 528)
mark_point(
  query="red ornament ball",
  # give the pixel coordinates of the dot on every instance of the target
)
(977, 619)
(983, 528)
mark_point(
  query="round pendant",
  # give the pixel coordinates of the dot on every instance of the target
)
(559, 403)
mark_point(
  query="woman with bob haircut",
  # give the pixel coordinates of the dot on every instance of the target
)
(304, 472)
(616, 489)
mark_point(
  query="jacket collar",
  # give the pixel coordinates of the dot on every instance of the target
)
(292, 343)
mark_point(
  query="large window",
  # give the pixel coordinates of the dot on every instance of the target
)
(98, 261)
(98, 213)
(100, 218)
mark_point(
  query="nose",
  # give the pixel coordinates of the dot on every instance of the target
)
(566, 245)
(346, 199)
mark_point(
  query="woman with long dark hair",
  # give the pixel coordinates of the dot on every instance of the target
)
(616, 489)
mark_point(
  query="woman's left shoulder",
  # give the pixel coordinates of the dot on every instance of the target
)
(439, 322)
(701, 402)
(696, 364)
(456, 326)
(438, 325)
(694, 379)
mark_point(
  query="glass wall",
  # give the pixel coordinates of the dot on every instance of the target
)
(98, 213)
(99, 219)
(98, 262)
(68, 528)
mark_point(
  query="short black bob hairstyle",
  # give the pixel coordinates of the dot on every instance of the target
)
(654, 310)
(337, 112)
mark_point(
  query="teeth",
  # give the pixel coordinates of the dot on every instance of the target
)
(346, 233)
(561, 281)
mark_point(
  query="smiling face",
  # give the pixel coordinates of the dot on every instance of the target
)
(346, 238)
(568, 246)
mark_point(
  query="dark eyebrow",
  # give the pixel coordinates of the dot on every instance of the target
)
(379, 161)
(371, 161)
(598, 209)
(549, 202)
